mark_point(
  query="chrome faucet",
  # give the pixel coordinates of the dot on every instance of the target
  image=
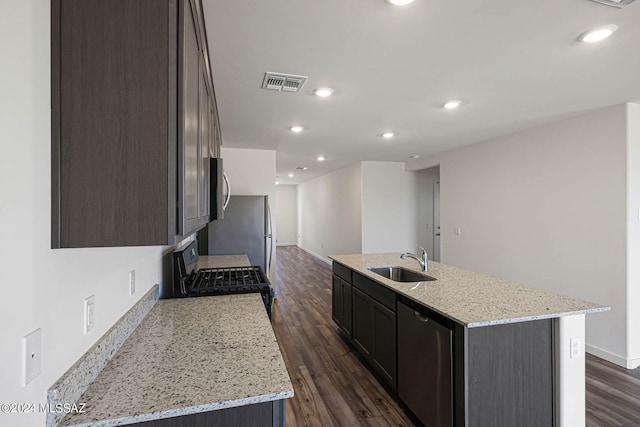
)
(424, 262)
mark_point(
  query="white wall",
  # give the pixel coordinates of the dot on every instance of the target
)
(41, 287)
(330, 212)
(253, 173)
(633, 234)
(287, 214)
(546, 207)
(364, 208)
(389, 208)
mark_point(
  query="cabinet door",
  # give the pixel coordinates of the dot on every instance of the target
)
(112, 127)
(384, 342)
(190, 160)
(203, 166)
(347, 308)
(336, 301)
(363, 322)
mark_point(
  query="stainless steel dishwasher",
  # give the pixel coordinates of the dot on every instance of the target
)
(425, 364)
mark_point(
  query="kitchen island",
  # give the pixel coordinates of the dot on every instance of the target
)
(506, 354)
(192, 361)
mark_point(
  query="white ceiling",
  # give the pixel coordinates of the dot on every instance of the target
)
(515, 64)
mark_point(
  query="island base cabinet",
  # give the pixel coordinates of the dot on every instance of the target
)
(509, 374)
(425, 370)
(267, 414)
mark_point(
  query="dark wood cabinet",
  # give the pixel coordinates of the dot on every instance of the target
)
(374, 334)
(266, 414)
(189, 161)
(341, 305)
(363, 323)
(384, 343)
(365, 312)
(133, 110)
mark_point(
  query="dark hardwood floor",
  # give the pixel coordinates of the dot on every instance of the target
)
(332, 386)
(613, 394)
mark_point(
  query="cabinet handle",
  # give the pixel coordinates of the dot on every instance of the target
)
(421, 317)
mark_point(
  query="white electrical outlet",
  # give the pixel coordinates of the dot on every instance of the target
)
(89, 313)
(132, 282)
(32, 356)
(576, 347)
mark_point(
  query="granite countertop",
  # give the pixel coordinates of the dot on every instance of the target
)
(187, 356)
(469, 298)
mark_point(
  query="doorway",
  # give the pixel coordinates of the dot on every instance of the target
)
(428, 198)
(436, 219)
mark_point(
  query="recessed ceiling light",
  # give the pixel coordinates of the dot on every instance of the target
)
(296, 129)
(452, 105)
(277, 182)
(415, 156)
(301, 168)
(388, 135)
(323, 92)
(290, 175)
(597, 34)
(400, 2)
(321, 158)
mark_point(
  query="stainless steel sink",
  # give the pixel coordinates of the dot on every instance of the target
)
(401, 274)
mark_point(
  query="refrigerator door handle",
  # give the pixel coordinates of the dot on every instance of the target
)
(226, 201)
(270, 236)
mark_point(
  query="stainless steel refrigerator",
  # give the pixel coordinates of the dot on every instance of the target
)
(245, 229)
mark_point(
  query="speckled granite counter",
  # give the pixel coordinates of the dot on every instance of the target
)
(471, 299)
(187, 356)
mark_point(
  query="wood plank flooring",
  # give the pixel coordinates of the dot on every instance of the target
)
(332, 386)
(613, 394)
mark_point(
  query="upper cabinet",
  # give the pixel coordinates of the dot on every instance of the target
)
(134, 122)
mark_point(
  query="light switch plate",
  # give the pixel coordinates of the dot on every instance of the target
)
(32, 356)
(89, 313)
(132, 282)
(457, 231)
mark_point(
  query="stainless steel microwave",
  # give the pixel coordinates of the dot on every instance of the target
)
(220, 189)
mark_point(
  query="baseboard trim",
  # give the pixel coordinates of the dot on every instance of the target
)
(286, 244)
(613, 358)
(320, 257)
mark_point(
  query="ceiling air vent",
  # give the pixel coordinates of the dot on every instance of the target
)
(283, 82)
(616, 3)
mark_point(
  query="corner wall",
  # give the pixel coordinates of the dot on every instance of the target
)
(546, 207)
(633, 235)
(389, 208)
(330, 213)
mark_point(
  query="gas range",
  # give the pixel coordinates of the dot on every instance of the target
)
(189, 281)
